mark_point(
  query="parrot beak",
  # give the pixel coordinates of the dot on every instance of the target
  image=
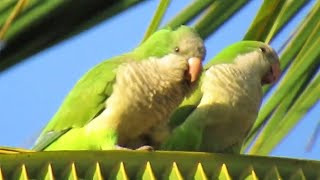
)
(195, 68)
(273, 75)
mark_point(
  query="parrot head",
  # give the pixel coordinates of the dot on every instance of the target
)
(247, 53)
(274, 71)
(184, 41)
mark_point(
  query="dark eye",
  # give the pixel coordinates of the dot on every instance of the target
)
(176, 49)
(263, 49)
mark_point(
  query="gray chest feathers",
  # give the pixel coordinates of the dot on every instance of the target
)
(231, 101)
(240, 91)
(146, 93)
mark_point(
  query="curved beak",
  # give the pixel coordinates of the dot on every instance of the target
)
(276, 71)
(273, 75)
(194, 69)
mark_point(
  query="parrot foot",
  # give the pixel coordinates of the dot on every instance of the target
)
(145, 148)
(122, 148)
(142, 148)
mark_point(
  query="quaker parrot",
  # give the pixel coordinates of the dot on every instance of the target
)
(219, 114)
(125, 102)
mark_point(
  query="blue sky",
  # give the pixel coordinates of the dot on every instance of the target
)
(32, 91)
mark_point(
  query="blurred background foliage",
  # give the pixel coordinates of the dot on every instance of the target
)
(30, 26)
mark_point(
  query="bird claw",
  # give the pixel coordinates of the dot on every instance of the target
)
(145, 148)
(142, 148)
(117, 147)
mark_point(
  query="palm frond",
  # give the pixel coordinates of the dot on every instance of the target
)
(151, 165)
(44, 23)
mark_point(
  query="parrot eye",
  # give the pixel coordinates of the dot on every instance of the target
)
(176, 49)
(263, 49)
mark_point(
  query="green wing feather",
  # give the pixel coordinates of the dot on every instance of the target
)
(87, 97)
(186, 108)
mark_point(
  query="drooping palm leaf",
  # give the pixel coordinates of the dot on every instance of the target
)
(304, 66)
(44, 23)
(157, 18)
(290, 51)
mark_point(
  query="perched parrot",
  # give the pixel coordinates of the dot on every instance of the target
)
(220, 113)
(125, 102)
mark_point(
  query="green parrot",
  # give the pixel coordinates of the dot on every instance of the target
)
(220, 113)
(125, 102)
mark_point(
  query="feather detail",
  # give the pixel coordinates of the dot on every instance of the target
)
(231, 101)
(144, 96)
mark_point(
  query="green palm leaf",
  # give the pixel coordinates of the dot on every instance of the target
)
(152, 165)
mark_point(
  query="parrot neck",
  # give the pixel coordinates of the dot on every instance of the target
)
(252, 64)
